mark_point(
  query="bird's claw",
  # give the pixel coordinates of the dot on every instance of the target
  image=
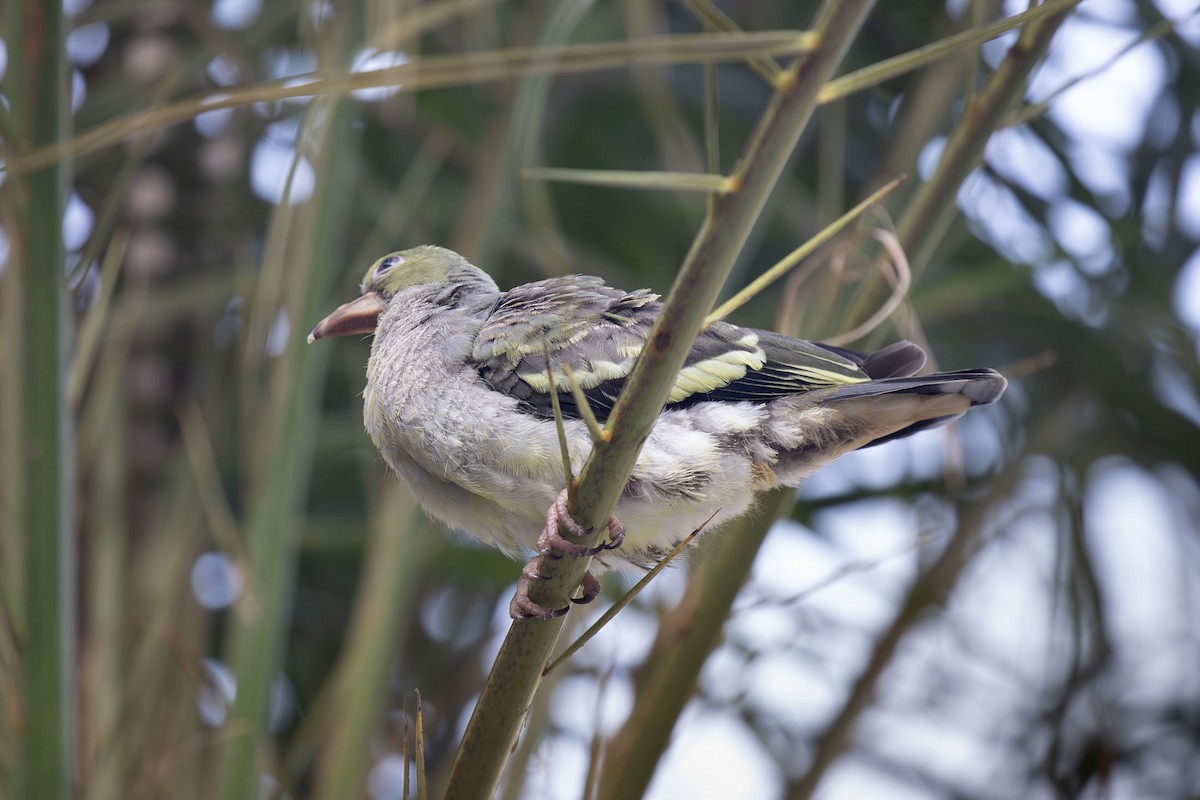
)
(522, 606)
(591, 589)
(552, 544)
(558, 519)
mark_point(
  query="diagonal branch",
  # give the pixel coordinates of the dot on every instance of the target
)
(517, 670)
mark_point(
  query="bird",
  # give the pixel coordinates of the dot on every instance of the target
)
(459, 400)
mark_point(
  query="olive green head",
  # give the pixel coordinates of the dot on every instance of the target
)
(420, 266)
(427, 265)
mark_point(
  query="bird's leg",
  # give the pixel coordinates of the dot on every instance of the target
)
(552, 542)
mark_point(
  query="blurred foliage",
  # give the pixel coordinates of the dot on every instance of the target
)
(199, 254)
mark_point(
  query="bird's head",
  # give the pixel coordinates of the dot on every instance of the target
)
(427, 265)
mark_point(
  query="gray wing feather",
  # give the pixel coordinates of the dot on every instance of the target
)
(600, 331)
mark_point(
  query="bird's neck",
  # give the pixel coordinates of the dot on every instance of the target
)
(420, 343)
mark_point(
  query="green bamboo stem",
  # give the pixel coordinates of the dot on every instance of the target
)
(685, 638)
(510, 687)
(289, 415)
(37, 93)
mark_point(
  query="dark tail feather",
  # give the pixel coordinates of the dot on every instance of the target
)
(980, 387)
(896, 360)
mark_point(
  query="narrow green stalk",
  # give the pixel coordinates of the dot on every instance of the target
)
(107, 750)
(490, 212)
(582, 404)
(37, 93)
(633, 179)
(802, 252)
(392, 560)
(497, 717)
(564, 451)
(685, 638)
(289, 416)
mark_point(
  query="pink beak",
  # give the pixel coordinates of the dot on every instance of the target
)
(357, 316)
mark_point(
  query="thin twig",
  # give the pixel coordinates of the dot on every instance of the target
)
(626, 598)
(559, 426)
(715, 19)
(598, 434)
(634, 179)
(800, 253)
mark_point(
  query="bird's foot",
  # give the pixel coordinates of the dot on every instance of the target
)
(558, 519)
(523, 606)
(552, 544)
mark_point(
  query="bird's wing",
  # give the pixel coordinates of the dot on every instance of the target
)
(600, 331)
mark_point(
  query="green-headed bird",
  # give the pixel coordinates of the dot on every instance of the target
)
(458, 400)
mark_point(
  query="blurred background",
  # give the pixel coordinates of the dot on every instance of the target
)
(1010, 608)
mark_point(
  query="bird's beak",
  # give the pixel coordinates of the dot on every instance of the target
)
(357, 316)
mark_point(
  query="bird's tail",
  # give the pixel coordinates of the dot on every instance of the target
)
(913, 404)
(873, 412)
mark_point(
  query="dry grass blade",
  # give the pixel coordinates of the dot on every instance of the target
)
(405, 760)
(197, 446)
(434, 72)
(626, 598)
(88, 341)
(677, 181)
(901, 280)
(109, 372)
(419, 751)
(800, 253)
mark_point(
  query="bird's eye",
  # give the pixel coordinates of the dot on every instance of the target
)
(388, 262)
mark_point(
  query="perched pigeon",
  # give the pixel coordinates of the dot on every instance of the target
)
(458, 400)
